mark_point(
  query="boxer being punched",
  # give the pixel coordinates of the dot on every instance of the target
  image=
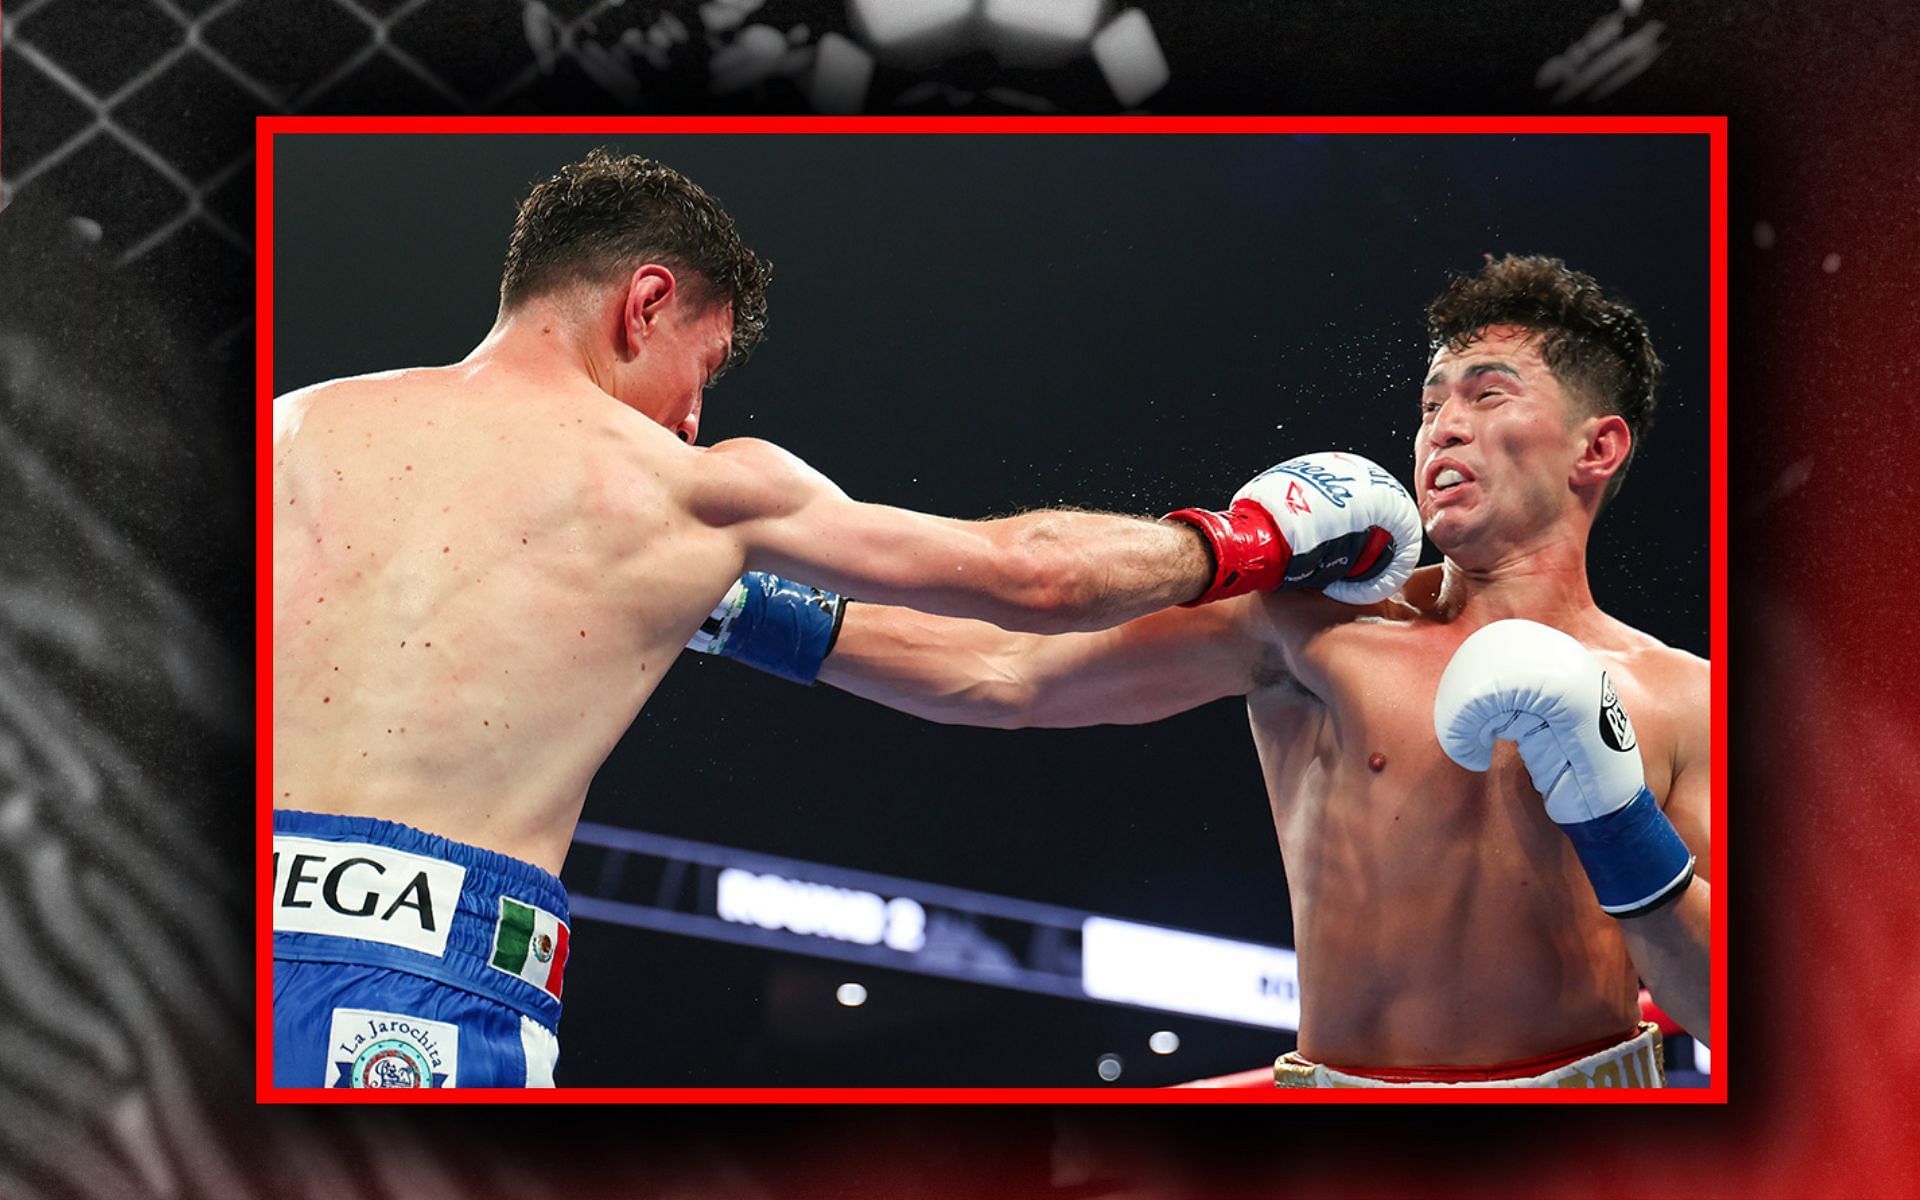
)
(1491, 797)
(482, 571)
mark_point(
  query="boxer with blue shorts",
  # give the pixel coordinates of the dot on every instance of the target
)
(481, 573)
(405, 959)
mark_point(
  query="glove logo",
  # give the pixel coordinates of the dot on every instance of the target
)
(1322, 479)
(1615, 730)
(1380, 478)
(1338, 488)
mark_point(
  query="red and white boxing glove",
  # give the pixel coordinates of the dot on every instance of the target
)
(1332, 522)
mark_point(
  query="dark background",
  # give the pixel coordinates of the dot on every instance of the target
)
(126, 1066)
(980, 325)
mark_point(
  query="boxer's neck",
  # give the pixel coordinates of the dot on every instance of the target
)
(543, 338)
(1545, 581)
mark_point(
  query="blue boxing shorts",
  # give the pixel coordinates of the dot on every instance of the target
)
(405, 959)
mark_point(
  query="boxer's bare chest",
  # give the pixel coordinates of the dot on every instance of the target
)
(1422, 891)
(1360, 718)
(1363, 797)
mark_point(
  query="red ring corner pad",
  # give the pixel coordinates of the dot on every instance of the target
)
(1259, 1077)
(1649, 1011)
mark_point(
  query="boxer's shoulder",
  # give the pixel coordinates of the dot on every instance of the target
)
(753, 455)
(1313, 616)
(291, 408)
(1325, 642)
(399, 379)
(747, 478)
(1678, 685)
(1668, 692)
(1650, 661)
(624, 460)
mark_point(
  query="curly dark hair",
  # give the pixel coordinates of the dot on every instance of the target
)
(600, 217)
(1593, 342)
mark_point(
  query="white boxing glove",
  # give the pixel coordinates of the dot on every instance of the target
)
(1527, 683)
(1330, 522)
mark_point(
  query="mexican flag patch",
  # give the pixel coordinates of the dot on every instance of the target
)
(531, 943)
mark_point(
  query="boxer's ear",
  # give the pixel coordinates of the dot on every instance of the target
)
(1606, 441)
(651, 290)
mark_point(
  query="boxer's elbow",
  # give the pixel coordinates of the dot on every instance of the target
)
(990, 704)
(935, 668)
(1689, 1006)
(1671, 949)
(1049, 583)
(1049, 604)
(975, 703)
(990, 685)
(1032, 681)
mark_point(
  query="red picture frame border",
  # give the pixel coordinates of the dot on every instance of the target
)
(269, 128)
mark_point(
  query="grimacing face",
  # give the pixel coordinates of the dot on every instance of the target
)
(1498, 439)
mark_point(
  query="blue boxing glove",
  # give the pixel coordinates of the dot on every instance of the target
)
(1524, 682)
(774, 625)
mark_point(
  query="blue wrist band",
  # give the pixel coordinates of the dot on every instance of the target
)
(1634, 857)
(785, 628)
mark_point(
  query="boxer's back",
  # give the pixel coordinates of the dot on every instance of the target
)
(478, 581)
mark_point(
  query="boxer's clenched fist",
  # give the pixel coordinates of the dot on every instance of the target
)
(1528, 683)
(1330, 522)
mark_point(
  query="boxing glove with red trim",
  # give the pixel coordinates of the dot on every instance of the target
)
(1332, 522)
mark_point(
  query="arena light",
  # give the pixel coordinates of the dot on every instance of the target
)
(819, 910)
(695, 889)
(1177, 971)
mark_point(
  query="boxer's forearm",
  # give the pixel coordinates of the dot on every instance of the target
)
(972, 673)
(1670, 950)
(943, 669)
(1085, 570)
(1051, 571)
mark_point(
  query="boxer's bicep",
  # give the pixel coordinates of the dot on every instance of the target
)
(1148, 669)
(1689, 807)
(793, 521)
(894, 556)
(1689, 801)
(1671, 947)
